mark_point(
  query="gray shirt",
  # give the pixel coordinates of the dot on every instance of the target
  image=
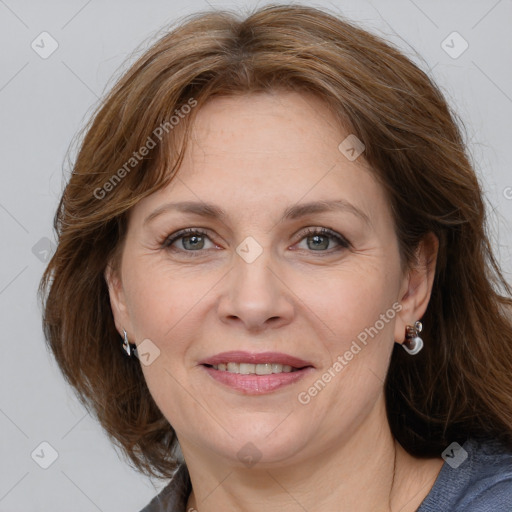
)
(482, 482)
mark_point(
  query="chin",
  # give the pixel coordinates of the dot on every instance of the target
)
(262, 444)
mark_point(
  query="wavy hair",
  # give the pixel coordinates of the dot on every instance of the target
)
(459, 386)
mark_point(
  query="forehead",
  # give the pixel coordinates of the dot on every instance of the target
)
(280, 136)
(260, 150)
(282, 124)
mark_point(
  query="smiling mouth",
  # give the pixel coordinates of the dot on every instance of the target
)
(256, 373)
(254, 369)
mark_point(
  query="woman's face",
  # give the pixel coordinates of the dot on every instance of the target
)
(258, 284)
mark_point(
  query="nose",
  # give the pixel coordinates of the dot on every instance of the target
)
(256, 295)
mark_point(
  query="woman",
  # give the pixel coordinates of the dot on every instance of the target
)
(273, 278)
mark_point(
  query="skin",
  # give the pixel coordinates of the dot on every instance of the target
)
(253, 156)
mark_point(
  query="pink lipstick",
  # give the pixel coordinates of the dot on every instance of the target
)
(256, 373)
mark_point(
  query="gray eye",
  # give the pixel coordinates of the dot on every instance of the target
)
(192, 242)
(318, 242)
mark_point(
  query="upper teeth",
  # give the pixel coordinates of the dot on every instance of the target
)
(258, 369)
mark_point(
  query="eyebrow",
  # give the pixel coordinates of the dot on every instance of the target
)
(293, 212)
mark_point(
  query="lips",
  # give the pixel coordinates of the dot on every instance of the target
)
(256, 358)
(256, 373)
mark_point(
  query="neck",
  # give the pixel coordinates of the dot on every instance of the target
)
(369, 472)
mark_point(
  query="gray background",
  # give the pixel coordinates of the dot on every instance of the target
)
(44, 102)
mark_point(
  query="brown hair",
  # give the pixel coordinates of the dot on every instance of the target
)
(460, 385)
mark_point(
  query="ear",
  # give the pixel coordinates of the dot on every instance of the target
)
(117, 299)
(417, 285)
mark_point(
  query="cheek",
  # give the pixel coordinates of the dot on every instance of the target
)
(356, 304)
(164, 305)
(181, 403)
(358, 318)
(160, 298)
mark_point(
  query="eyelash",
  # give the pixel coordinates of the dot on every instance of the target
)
(184, 233)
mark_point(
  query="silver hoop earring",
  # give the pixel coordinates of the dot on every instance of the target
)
(413, 343)
(128, 347)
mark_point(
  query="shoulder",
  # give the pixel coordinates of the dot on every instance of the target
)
(490, 483)
(477, 479)
(497, 496)
(173, 497)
